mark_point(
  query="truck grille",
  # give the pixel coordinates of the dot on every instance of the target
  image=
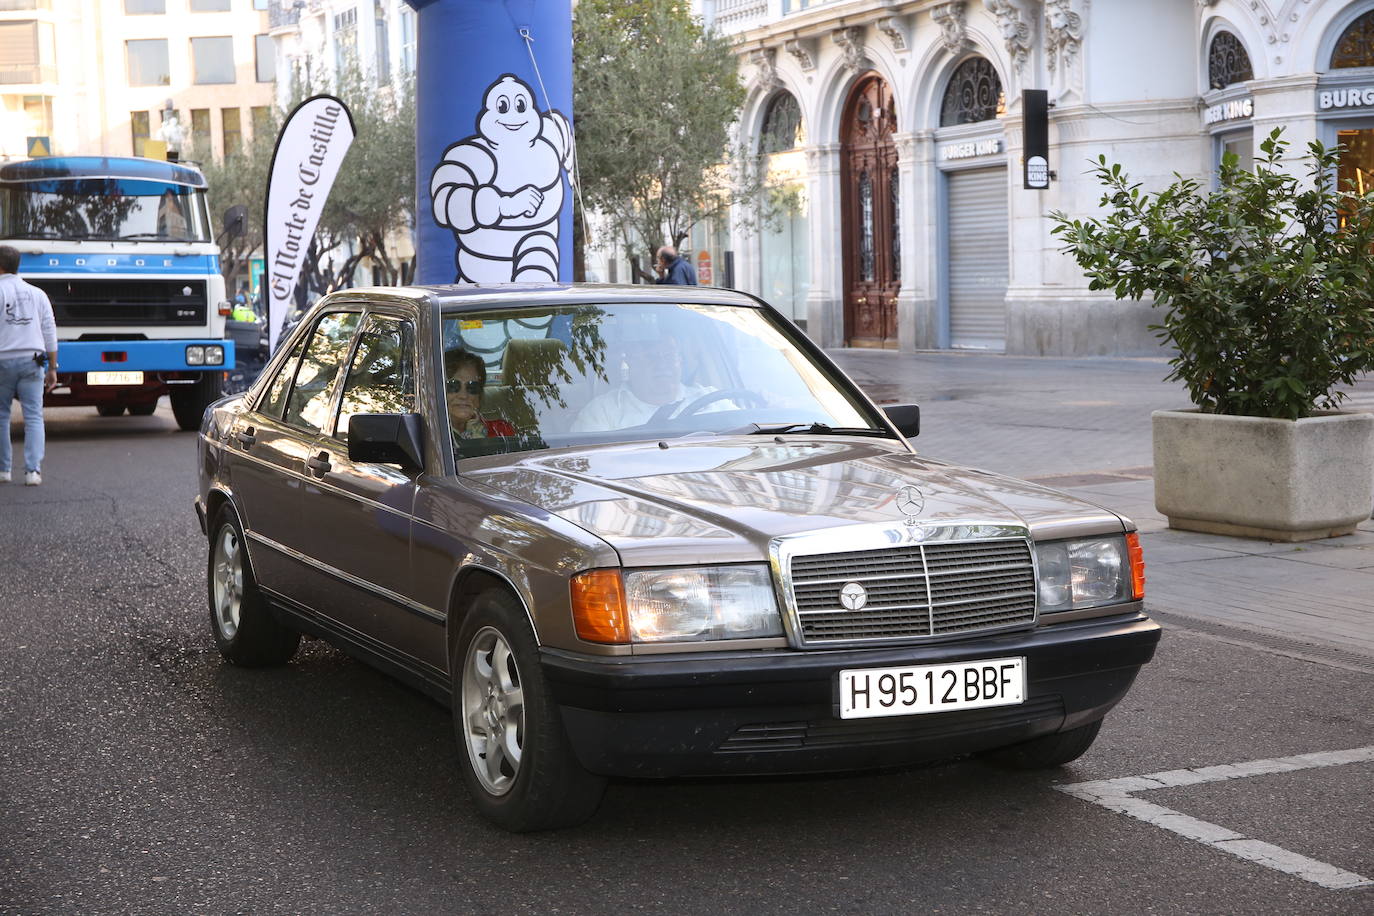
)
(125, 303)
(923, 590)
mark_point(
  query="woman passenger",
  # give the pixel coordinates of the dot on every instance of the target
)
(465, 375)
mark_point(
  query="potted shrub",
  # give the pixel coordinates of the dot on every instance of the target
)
(1266, 287)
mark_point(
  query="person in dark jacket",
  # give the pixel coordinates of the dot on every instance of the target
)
(674, 269)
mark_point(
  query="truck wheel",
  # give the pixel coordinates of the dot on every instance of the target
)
(143, 410)
(1048, 751)
(515, 757)
(189, 401)
(245, 631)
(110, 410)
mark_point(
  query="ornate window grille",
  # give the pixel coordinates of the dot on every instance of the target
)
(1355, 48)
(974, 94)
(781, 124)
(1227, 62)
(866, 226)
(894, 193)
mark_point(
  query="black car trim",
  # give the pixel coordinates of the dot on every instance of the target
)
(419, 610)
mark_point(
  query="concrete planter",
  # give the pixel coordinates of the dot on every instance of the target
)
(1280, 480)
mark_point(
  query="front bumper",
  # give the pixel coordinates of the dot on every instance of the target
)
(775, 711)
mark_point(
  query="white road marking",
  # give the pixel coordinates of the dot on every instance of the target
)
(1119, 795)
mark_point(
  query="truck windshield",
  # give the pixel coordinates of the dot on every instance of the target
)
(108, 209)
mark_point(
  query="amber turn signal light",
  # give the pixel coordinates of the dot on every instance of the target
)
(598, 606)
(1137, 558)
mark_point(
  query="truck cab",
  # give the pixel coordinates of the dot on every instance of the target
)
(125, 250)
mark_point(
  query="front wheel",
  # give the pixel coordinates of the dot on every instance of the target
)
(245, 631)
(110, 410)
(189, 401)
(515, 755)
(1047, 751)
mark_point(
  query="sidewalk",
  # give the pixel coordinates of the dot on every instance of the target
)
(1083, 425)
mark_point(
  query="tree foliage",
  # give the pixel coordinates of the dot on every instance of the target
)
(654, 98)
(1265, 281)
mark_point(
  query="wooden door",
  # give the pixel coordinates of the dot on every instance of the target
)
(870, 213)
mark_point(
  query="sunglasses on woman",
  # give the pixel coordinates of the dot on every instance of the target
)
(457, 385)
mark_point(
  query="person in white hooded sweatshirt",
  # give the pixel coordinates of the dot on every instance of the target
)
(28, 364)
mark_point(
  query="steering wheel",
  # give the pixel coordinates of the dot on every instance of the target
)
(741, 396)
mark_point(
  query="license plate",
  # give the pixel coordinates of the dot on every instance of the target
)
(869, 692)
(114, 378)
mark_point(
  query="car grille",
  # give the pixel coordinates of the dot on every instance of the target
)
(924, 590)
(125, 303)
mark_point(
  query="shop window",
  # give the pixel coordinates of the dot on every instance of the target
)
(974, 94)
(213, 59)
(140, 127)
(1242, 144)
(265, 55)
(781, 124)
(1227, 62)
(1355, 48)
(148, 62)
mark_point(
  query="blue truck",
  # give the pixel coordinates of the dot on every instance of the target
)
(125, 250)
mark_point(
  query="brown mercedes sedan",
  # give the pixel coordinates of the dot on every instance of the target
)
(651, 531)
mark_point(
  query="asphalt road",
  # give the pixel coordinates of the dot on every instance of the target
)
(140, 774)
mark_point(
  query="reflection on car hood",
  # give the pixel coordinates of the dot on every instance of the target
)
(725, 498)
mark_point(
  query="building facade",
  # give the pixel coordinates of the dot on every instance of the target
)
(96, 76)
(893, 131)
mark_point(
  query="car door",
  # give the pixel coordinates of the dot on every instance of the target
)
(268, 447)
(360, 512)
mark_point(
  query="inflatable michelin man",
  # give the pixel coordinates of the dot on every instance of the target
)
(501, 190)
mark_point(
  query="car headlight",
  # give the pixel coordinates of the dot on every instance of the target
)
(1089, 572)
(675, 605)
(214, 355)
(195, 355)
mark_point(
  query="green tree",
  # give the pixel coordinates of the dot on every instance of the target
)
(240, 177)
(654, 98)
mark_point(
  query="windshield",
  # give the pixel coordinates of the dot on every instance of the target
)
(103, 208)
(558, 376)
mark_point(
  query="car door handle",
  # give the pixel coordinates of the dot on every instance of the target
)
(319, 464)
(246, 437)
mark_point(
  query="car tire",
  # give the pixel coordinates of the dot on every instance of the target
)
(143, 410)
(110, 410)
(1048, 751)
(189, 401)
(244, 628)
(525, 778)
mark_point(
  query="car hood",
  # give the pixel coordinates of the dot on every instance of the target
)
(724, 499)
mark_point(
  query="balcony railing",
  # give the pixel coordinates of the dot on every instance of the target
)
(9, 6)
(280, 13)
(23, 74)
(740, 15)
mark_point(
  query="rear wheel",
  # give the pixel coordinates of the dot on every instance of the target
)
(516, 759)
(110, 410)
(189, 401)
(245, 631)
(1048, 751)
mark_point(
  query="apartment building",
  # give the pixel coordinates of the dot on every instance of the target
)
(324, 35)
(102, 76)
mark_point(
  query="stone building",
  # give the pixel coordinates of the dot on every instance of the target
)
(898, 127)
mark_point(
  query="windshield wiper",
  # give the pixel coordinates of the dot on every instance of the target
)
(146, 235)
(822, 429)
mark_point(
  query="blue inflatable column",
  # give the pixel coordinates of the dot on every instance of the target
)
(493, 142)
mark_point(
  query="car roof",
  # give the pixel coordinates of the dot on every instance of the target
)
(523, 295)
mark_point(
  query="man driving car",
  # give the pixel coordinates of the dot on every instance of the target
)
(654, 388)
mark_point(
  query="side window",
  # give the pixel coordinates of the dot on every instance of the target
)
(308, 405)
(382, 376)
(275, 398)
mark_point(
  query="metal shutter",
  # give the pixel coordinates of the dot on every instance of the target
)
(978, 256)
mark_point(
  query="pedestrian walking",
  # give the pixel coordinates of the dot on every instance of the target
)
(673, 269)
(28, 363)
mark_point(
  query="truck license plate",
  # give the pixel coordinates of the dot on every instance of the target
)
(114, 378)
(869, 692)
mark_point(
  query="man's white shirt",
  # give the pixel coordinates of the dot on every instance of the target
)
(620, 409)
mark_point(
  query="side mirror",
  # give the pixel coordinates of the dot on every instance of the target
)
(236, 221)
(906, 417)
(387, 438)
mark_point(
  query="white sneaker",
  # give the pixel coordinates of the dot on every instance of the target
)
(32, 478)
(4, 476)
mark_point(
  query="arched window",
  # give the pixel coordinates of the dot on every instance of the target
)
(1227, 62)
(1356, 45)
(974, 94)
(781, 124)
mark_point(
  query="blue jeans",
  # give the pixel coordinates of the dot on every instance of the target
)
(21, 377)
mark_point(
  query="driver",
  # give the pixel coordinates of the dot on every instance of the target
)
(654, 383)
